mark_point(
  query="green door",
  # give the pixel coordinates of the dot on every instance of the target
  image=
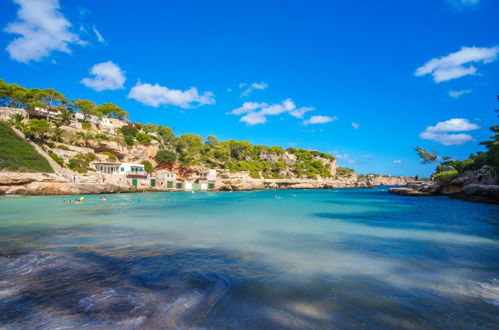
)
(134, 182)
(211, 186)
(196, 186)
(169, 184)
(153, 182)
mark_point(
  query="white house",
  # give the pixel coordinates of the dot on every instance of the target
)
(169, 178)
(208, 174)
(131, 168)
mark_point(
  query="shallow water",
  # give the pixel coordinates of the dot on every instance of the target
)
(349, 258)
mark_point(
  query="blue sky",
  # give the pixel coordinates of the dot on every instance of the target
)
(365, 80)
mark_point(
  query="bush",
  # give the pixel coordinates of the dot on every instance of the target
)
(50, 144)
(443, 177)
(80, 163)
(101, 137)
(143, 138)
(129, 130)
(62, 147)
(344, 171)
(129, 140)
(166, 156)
(110, 155)
(85, 125)
(56, 158)
(148, 166)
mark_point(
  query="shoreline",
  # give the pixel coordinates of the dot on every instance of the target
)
(45, 184)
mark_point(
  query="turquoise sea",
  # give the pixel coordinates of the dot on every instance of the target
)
(293, 259)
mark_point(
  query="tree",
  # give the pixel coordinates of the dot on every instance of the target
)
(12, 95)
(148, 166)
(58, 133)
(111, 110)
(88, 108)
(65, 116)
(129, 130)
(426, 156)
(166, 156)
(38, 127)
(143, 138)
(17, 119)
(211, 140)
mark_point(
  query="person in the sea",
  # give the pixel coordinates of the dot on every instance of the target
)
(103, 198)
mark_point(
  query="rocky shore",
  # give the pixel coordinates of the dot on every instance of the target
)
(471, 186)
(13, 183)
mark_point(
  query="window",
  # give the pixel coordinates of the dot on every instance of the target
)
(122, 169)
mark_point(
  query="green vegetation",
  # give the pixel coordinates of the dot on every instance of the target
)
(148, 166)
(472, 163)
(185, 150)
(110, 155)
(81, 163)
(56, 158)
(15, 96)
(18, 155)
(166, 156)
(443, 177)
(343, 172)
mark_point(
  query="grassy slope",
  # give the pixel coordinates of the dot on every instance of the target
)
(18, 155)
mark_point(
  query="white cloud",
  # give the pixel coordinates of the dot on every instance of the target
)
(319, 120)
(156, 95)
(251, 87)
(99, 36)
(257, 112)
(248, 107)
(456, 94)
(42, 29)
(458, 64)
(107, 76)
(464, 3)
(300, 112)
(397, 161)
(260, 116)
(440, 132)
(355, 125)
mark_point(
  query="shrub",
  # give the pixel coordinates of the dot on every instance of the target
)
(143, 138)
(344, 171)
(62, 147)
(85, 125)
(80, 163)
(56, 158)
(166, 156)
(129, 140)
(443, 177)
(148, 166)
(110, 155)
(50, 144)
(129, 130)
(101, 136)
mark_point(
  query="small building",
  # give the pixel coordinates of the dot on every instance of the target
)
(208, 174)
(132, 169)
(169, 179)
(107, 167)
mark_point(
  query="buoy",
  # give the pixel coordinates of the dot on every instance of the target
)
(82, 198)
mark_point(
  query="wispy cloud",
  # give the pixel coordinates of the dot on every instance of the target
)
(458, 64)
(42, 29)
(461, 4)
(397, 161)
(248, 88)
(98, 35)
(441, 132)
(456, 94)
(107, 76)
(314, 120)
(300, 112)
(156, 95)
(355, 125)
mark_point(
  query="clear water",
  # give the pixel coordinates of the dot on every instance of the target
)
(314, 259)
